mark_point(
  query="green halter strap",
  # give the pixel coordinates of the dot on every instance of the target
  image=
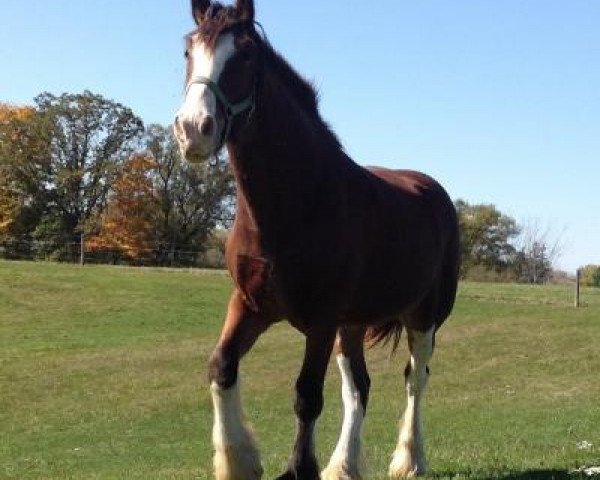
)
(232, 110)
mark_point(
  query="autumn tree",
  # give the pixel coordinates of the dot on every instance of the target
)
(90, 138)
(9, 198)
(162, 206)
(127, 227)
(192, 199)
(24, 171)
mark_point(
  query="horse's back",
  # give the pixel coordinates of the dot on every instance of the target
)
(418, 200)
(413, 184)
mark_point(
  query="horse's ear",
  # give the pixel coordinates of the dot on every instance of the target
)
(246, 9)
(199, 8)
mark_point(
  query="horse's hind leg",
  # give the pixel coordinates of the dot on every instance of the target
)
(409, 458)
(345, 463)
(236, 455)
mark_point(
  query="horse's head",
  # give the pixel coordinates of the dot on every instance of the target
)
(222, 62)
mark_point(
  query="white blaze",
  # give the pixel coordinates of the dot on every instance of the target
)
(200, 101)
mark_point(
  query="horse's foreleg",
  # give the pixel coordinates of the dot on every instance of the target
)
(236, 454)
(309, 403)
(409, 458)
(345, 463)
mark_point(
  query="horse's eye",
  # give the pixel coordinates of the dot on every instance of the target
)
(186, 54)
(245, 56)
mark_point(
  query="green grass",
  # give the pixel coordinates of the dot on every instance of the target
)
(102, 375)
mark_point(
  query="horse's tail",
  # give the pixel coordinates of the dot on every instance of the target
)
(385, 333)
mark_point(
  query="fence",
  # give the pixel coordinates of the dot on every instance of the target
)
(77, 251)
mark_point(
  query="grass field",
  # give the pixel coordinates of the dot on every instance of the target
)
(102, 375)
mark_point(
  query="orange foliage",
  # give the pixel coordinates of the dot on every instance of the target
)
(10, 112)
(127, 224)
(9, 201)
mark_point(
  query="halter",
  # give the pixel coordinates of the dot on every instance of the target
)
(232, 110)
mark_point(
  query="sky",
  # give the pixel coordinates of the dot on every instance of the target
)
(497, 99)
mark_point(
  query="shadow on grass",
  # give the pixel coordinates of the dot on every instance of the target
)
(525, 475)
(542, 475)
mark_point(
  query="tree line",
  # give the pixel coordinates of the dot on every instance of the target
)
(79, 172)
(494, 247)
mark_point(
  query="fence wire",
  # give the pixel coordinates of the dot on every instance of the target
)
(158, 254)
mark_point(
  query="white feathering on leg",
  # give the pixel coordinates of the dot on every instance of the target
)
(409, 458)
(236, 454)
(346, 461)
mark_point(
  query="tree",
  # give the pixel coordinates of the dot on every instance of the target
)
(9, 202)
(533, 265)
(486, 235)
(162, 207)
(590, 276)
(192, 199)
(90, 138)
(537, 251)
(128, 224)
(24, 153)
(216, 245)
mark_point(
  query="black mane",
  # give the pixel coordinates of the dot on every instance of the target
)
(220, 19)
(304, 92)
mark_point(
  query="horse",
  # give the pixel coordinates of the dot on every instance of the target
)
(349, 256)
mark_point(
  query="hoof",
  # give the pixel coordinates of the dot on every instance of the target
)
(340, 471)
(310, 472)
(287, 476)
(238, 462)
(296, 476)
(405, 465)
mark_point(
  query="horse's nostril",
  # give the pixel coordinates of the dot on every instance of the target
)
(208, 126)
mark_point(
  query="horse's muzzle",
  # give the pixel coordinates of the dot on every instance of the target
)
(196, 139)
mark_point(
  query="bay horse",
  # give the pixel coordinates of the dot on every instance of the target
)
(347, 255)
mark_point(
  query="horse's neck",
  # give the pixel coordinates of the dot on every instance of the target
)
(284, 161)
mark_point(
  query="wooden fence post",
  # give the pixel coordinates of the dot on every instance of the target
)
(577, 287)
(82, 249)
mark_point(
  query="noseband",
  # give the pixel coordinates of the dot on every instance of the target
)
(231, 110)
